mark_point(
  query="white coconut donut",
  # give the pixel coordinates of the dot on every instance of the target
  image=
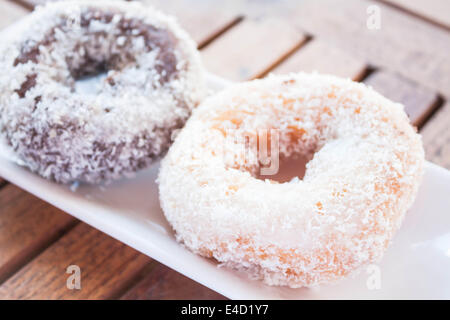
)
(153, 79)
(364, 175)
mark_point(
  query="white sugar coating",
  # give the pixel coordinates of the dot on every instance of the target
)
(364, 175)
(155, 81)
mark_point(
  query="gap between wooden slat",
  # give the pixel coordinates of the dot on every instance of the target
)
(252, 48)
(367, 72)
(232, 21)
(140, 276)
(220, 32)
(107, 267)
(3, 183)
(436, 137)
(24, 4)
(34, 251)
(308, 38)
(316, 55)
(28, 226)
(404, 44)
(204, 21)
(416, 14)
(436, 107)
(164, 283)
(419, 101)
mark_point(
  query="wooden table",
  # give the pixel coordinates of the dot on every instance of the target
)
(406, 59)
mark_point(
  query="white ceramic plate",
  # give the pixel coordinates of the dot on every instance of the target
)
(416, 266)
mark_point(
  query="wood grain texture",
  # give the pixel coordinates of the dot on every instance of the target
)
(10, 12)
(404, 44)
(203, 20)
(436, 137)
(27, 225)
(419, 101)
(433, 10)
(164, 283)
(321, 57)
(251, 48)
(107, 268)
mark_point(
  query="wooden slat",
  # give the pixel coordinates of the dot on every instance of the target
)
(321, 57)
(419, 102)
(27, 225)
(203, 20)
(10, 12)
(107, 268)
(433, 10)
(404, 44)
(251, 48)
(164, 283)
(436, 137)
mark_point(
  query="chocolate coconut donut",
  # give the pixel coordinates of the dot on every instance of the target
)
(152, 79)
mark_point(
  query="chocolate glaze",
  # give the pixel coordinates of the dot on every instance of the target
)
(29, 83)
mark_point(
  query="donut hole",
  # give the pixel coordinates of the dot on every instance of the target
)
(289, 168)
(90, 70)
(295, 150)
(254, 153)
(90, 84)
